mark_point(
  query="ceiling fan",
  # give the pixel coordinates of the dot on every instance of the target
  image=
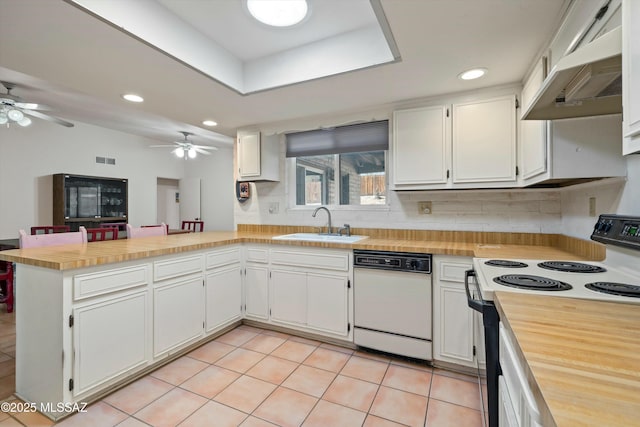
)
(186, 148)
(14, 110)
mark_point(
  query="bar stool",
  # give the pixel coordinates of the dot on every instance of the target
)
(147, 230)
(195, 226)
(50, 229)
(100, 234)
(6, 274)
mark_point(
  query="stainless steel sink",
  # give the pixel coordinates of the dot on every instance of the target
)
(314, 237)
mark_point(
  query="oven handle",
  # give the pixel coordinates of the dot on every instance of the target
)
(477, 305)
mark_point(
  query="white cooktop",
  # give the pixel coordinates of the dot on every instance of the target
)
(486, 274)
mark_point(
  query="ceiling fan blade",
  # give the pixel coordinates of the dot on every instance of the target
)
(205, 147)
(198, 150)
(32, 106)
(49, 118)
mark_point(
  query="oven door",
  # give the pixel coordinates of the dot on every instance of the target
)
(490, 322)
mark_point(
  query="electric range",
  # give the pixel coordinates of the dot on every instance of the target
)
(562, 278)
(616, 279)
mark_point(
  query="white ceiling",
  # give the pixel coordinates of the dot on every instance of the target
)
(79, 65)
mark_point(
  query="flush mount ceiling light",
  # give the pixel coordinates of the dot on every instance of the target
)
(209, 123)
(474, 73)
(278, 13)
(132, 97)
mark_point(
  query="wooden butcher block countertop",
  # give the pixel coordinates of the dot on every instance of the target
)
(582, 357)
(479, 244)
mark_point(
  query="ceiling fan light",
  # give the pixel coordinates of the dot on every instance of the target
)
(15, 115)
(278, 13)
(179, 152)
(26, 121)
(3, 118)
(192, 153)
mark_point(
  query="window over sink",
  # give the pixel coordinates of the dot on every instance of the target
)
(345, 165)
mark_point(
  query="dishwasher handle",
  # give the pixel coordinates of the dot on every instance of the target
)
(477, 305)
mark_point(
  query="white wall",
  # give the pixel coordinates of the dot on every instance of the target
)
(29, 156)
(216, 191)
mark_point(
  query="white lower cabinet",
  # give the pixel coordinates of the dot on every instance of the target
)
(309, 289)
(328, 303)
(110, 339)
(256, 282)
(256, 292)
(178, 309)
(223, 297)
(288, 297)
(456, 335)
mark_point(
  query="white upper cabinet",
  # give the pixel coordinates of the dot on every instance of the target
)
(258, 157)
(484, 141)
(631, 76)
(471, 144)
(420, 147)
(533, 133)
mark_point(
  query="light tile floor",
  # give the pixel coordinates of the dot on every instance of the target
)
(254, 377)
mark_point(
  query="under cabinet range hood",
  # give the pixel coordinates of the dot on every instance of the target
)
(587, 82)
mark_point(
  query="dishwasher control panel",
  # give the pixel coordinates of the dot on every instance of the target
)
(397, 261)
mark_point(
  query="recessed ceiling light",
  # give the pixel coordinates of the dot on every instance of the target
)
(209, 123)
(132, 97)
(278, 13)
(474, 73)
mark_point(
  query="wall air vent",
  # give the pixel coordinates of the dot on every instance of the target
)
(105, 160)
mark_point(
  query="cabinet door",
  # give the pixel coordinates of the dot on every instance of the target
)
(110, 339)
(178, 314)
(288, 295)
(484, 140)
(249, 154)
(256, 295)
(533, 133)
(455, 320)
(327, 303)
(420, 146)
(631, 76)
(223, 289)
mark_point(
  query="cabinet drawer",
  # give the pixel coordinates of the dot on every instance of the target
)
(104, 282)
(453, 271)
(176, 267)
(223, 257)
(260, 255)
(315, 259)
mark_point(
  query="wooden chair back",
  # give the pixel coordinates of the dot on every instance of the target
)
(195, 226)
(146, 231)
(50, 229)
(54, 239)
(6, 274)
(100, 234)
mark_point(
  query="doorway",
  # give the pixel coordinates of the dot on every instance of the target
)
(168, 208)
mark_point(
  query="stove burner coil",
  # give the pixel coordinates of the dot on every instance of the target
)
(612, 288)
(505, 263)
(534, 283)
(571, 267)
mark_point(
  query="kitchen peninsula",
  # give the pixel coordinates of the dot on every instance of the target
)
(114, 310)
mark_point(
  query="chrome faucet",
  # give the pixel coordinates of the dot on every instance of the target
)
(329, 228)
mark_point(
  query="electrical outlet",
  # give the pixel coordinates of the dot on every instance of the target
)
(424, 208)
(274, 207)
(592, 206)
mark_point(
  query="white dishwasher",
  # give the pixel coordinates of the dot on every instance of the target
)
(393, 302)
